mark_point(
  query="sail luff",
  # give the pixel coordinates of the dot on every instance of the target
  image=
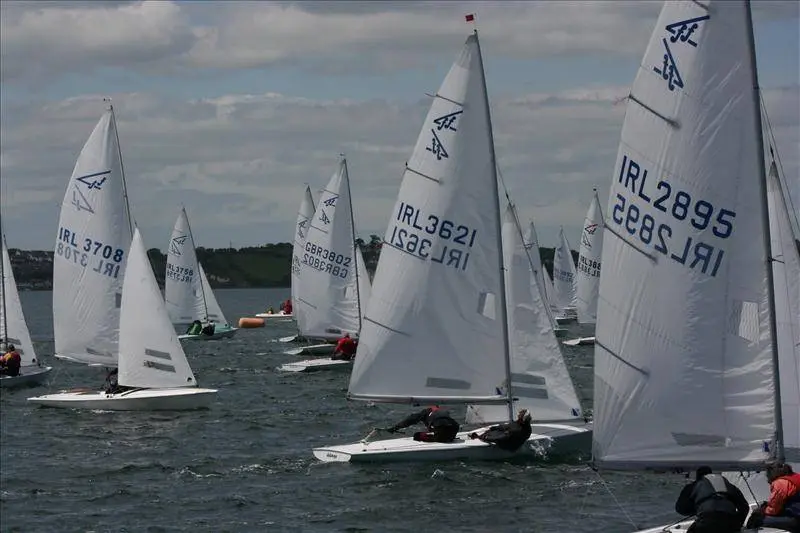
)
(197, 264)
(499, 231)
(356, 252)
(751, 44)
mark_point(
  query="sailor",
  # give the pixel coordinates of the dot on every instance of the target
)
(208, 329)
(718, 505)
(10, 362)
(782, 511)
(345, 349)
(439, 424)
(195, 328)
(509, 436)
(287, 308)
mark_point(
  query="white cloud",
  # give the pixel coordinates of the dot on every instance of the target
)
(239, 162)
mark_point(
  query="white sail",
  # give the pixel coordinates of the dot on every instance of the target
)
(94, 234)
(212, 309)
(539, 378)
(182, 291)
(364, 283)
(786, 279)
(151, 355)
(543, 281)
(304, 216)
(564, 274)
(683, 358)
(589, 255)
(13, 328)
(433, 328)
(327, 266)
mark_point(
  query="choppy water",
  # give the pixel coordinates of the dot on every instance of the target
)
(246, 464)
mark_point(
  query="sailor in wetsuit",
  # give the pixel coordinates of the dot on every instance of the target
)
(439, 424)
(509, 436)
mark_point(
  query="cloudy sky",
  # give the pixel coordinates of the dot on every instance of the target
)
(231, 107)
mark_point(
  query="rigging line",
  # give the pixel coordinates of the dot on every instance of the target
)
(776, 156)
(616, 501)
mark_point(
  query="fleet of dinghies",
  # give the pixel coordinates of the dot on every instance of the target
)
(697, 306)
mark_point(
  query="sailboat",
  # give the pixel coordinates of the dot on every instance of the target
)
(187, 292)
(330, 302)
(304, 216)
(14, 329)
(588, 272)
(436, 328)
(94, 235)
(564, 272)
(543, 282)
(152, 364)
(690, 351)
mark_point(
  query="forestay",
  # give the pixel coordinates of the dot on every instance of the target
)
(13, 328)
(304, 216)
(327, 264)
(151, 355)
(94, 235)
(786, 279)
(433, 327)
(539, 378)
(589, 254)
(683, 360)
(564, 274)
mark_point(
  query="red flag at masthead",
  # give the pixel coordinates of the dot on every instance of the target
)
(470, 17)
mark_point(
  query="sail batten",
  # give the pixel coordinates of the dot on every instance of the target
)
(684, 371)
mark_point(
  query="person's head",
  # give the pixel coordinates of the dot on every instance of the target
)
(702, 472)
(11, 348)
(523, 416)
(346, 335)
(776, 470)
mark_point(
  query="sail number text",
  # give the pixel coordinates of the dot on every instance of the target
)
(325, 260)
(409, 230)
(179, 273)
(103, 258)
(590, 267)
(639, 220)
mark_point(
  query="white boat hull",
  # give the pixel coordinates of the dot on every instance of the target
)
(29, 377)
(580, 341)
(222, 334)
(176, 399)
(272, 316)
(681, 527)
(313, 349)
(546, 438)
(316, 365)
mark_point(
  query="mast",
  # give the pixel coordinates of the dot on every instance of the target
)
(4, 331)
(353, 238)
(499, 236)
(121, 166)
(762, 179)
(197, 263)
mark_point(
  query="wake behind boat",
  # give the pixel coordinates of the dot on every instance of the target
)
(153, 371)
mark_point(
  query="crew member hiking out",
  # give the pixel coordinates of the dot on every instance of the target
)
(719, 506)
(509, 436)
(10, 362)
(439, 424)
(345, 349)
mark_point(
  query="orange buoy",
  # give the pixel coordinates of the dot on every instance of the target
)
(247, 322)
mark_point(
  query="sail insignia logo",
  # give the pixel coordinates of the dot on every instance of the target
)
(588, 231)
(679, 32)
(89, 182)
(176, 245)
(445, 122)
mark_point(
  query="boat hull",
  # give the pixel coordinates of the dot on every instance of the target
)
(317, 365)
(548, 438)
(580, 341)
(222, 334)
(29, 377)
(681, 527)
(274, 316)
(176, 399)
(313, 349)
